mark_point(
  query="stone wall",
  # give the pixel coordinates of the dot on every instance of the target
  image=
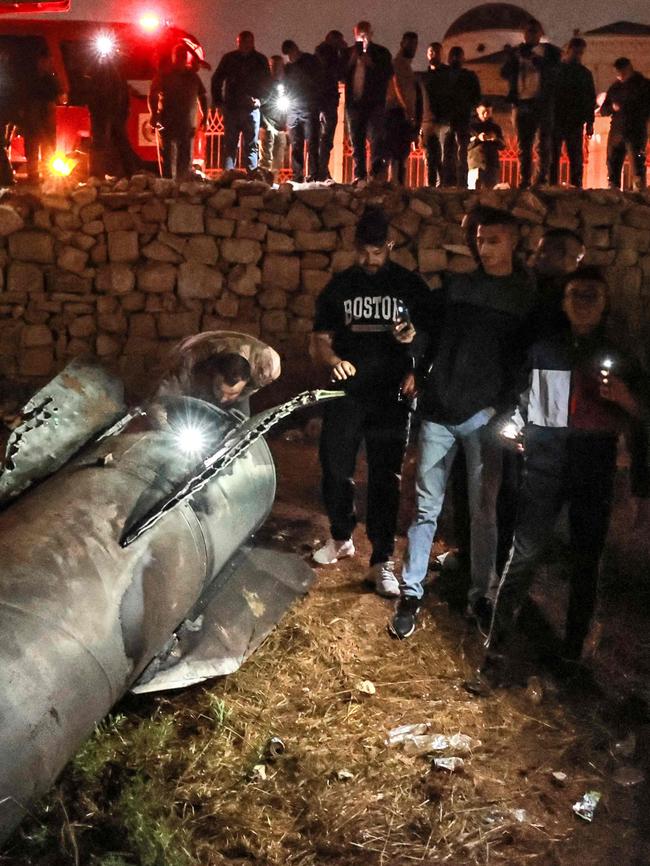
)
(124, 271)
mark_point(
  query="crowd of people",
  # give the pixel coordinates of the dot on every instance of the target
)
(388, 105)
(511, 365)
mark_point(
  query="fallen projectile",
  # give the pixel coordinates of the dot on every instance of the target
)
(84, 619)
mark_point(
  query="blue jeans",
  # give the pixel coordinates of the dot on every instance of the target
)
(438, 445)
(246, 121)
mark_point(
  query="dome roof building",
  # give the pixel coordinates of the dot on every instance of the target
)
(485, 29)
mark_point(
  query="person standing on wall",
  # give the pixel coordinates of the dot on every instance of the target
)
(531, 72)
(575, 104)
(435, 111)
(332, 55)
(240, 85)
(303, 87)
(464, 96)
(403, 108)
(274, 121)
(368, 74)
(174, 98)
(628, 104)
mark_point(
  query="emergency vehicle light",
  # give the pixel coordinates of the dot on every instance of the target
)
(150, 22)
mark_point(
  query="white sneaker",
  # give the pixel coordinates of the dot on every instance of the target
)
(382, 575)
(334, 550)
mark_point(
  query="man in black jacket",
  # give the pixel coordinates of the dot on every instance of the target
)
(575, 103)
(239, 86)
(365, 328)
(628, 103)
(435, 111)
(531, 70)
(332, 55)
(369, 71)
(466, 378)
(303, 84)
(464, 96)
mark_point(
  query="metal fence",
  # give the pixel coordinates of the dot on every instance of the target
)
(416, 167)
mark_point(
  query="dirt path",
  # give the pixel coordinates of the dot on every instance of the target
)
(187, 779)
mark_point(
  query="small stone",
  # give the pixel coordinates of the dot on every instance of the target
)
(274, 321)
(32, 246)
(241, 251)
(276, 242)
(335, 216)
(196, 280)
(431, 261)
(185, 219)
(84, 195)
(123, 246)
(156, 277)
(228, 306)
(119, 220)
(245, 280)
(281, 272)
(220, 228)
(203, 249)
(36, 335)
(36, 362)
(156, 251)
(154, 211)
(178, 324)
(91, 212)
(254, 231)
(24, 277)
(303, 305)
(114, 323)
(461, 264)
(83, 326)
(106, 346)
(342, 260)
(223, 199)
(272, 299)
(314, 282)
(115, 279)
(315, 241)
(72, 259)
(403, 257)
(142, 325)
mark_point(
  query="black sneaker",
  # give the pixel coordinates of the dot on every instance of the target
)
(481, 613)
(403, 623)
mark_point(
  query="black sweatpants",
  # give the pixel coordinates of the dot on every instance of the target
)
(384, 428)
(329, 117)
(618, 145)
(571, 135)
(367, 121)
(303, 125)
(533, 117)
(433, 134)
(580, 469)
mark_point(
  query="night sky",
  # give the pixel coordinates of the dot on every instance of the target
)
(216, 22)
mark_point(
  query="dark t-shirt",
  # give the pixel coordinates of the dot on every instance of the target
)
(360, 309)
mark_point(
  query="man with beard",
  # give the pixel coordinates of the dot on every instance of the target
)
(365, 329)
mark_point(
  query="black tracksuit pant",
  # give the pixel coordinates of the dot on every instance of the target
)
(329, 116)
(620, 143)
(303, 125)
(384, 428)
(580, 469)
(367, 121)
(533, 117)
(571, 135)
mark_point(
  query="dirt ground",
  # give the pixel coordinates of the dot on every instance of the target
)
(188, 778)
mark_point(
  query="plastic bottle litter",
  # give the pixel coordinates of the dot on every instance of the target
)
(398, 735)
(450, 764)
(258, 773)
(366, 687)
(274, 748)
(426, 743)
(628, 776)
(344, 775)
(586, 807)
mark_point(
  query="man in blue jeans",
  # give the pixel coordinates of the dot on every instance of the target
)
(240, 85)
(465, 379)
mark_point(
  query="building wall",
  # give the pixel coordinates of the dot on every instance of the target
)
(125, 271)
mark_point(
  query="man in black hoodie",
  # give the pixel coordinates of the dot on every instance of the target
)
(332, 54)
(465, 379)
(628, 103)
(575, 104)
(464, 96)
(368, 74)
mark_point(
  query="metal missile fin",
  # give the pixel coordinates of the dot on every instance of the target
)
(235, 445)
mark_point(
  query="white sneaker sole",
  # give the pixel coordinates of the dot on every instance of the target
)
(332, 561)
(388, 593)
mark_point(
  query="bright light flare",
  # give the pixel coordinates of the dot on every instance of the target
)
(105, 44)
(190, 438)
(606, 368)
(61, 165)
(282, 101)
(510, 431)
(150, 22)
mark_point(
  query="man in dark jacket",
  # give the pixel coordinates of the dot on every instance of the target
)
(575, 103)
(303, 86)
(368, 74)
(239, 86)
(531, 70)
(365, 328)
(435, 111)
(628, 103)
(274, 120)
(332, 55)
(464, 96)
(403, 108)
(582, 391)
(174, 98)
(466, 377)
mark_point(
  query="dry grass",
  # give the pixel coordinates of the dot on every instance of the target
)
(172, 780)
